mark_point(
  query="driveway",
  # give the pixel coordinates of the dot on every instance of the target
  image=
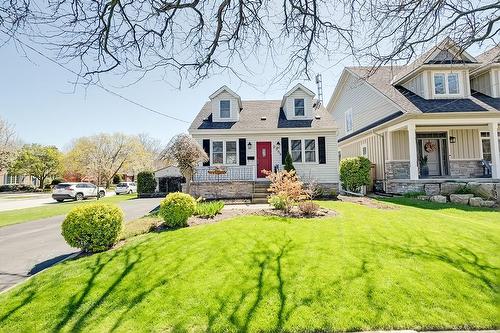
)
(30, 247)
(29, 200)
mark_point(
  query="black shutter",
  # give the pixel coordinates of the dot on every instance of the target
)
(284, 149)
(206, 148)
(243, 151)
(321, 150)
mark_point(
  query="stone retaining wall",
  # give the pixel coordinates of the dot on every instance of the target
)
(222, 190)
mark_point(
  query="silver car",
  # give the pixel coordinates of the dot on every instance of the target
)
(126, 188)
(76, 191)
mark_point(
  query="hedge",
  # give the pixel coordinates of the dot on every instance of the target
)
(146, 182)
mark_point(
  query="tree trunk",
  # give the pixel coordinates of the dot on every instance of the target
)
(42, 182)
(189, 176)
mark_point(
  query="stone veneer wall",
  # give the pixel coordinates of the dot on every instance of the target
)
(466, 168)
(404, 187)
(397, 169)
(222, 190)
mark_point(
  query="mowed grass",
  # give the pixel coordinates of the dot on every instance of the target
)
(53, 209)
(365, 269)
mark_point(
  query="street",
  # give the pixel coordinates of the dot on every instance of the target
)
(28, 248)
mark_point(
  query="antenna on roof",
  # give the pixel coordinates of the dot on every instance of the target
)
(319, 82)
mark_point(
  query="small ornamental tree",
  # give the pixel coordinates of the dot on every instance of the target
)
(146, 182)
(288, 162)
(186, 153)
(355, 173)
(286, 189)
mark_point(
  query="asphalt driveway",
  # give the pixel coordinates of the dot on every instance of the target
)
(29, 247)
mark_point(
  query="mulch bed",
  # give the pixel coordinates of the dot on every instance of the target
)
(295, 213)
(224, 215)
(365, 201)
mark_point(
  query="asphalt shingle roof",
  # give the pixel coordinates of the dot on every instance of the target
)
(493, 102)
(254, 111)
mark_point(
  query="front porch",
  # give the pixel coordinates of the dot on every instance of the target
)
(443, 149)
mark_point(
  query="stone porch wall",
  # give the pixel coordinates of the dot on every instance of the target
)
(466, 168)
(222, 190)
(397, 169)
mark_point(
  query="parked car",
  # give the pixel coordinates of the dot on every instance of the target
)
(126, 188)
(76, 191)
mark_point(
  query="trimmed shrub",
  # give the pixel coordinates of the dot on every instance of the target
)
(176, 208)
(355, 173)
(208, 209)
(288, 163)
(146, 182)
(93, 227)
(308, 208)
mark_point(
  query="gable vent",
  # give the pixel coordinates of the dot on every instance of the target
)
(263, 118)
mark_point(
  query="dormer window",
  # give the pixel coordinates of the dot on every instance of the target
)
(299, 107)
(225, 109)
(446, 84)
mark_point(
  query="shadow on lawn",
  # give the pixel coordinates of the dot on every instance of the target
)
(433, 205)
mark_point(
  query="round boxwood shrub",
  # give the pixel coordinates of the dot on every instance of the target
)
(146, 182)
(93, 227)
(176, 208)
(355, 172)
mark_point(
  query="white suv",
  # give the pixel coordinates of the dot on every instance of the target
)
(76, 191)
(126, 188)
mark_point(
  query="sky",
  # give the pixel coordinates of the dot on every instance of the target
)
(39, 98)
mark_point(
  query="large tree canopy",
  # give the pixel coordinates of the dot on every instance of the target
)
(198, 38)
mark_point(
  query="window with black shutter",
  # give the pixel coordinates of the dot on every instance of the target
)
(206, 148)
(321, 150)
(284, 149)
(243, 151)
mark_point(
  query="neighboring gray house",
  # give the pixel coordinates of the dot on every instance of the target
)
(433, 121)
(242, 138)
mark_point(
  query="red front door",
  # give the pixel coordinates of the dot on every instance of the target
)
(264, 158)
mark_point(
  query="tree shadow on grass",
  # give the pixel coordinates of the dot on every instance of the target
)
(412, 202)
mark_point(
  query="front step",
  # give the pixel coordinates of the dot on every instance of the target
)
(260, 193)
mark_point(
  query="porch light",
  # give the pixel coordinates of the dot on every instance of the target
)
(453, 139)
(249, 146)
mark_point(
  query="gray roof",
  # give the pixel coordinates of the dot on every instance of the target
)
(381, 80)
(489, 56)
(251, 116)
(409, 103)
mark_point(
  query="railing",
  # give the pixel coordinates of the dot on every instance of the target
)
(225, 173)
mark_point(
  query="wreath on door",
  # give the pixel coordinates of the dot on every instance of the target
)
(430, 146)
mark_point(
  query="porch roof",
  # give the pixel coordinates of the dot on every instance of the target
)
(493, 102)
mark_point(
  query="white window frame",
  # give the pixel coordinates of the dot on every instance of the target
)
(303, 150)
(17, 179)
(488, 138)
(220, 108)
(224, 152)
(315, 150)
(235, 152)
(446, 84)
(303, 108)
(364, 146)
(347, 116)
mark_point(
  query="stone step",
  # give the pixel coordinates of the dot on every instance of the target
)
(259, 200)
(260, 195)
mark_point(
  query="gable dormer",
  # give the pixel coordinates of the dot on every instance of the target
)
(297, 103)
(226, 105)
(440, 73)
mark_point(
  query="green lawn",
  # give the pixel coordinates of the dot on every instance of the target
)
(426, 267)
(53, 209)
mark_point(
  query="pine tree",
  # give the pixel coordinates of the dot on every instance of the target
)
(289, 163)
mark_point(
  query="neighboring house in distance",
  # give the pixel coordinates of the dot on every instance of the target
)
(423, 123)
(169, 179)
(8, 179)
(245, 137)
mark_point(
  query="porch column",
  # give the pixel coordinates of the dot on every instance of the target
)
(495, 153)
(389, 146)
(412, 141)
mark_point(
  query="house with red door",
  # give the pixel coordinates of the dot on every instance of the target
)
(245, 137)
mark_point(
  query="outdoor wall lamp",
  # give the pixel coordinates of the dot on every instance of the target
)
(453, 139)
(277, 146)
(249, 145)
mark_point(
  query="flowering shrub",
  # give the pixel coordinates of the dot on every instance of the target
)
(286, 189)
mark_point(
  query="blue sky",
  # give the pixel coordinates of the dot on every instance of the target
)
(38, 97)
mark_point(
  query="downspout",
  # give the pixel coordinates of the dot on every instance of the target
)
(384, 180)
